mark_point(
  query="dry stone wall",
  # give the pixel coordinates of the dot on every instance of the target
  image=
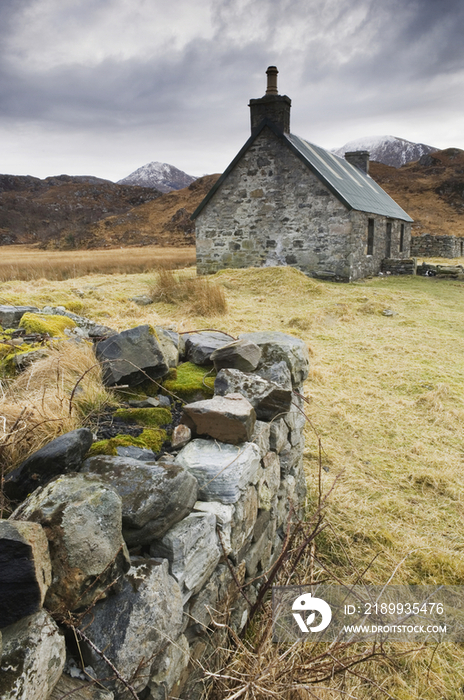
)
(430, 246)
(146, 555)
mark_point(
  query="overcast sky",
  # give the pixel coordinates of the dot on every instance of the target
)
(102, 87)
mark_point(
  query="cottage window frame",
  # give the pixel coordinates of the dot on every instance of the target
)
(370, 236)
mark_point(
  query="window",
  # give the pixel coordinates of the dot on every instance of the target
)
(402, 238)
(388, 240)
(370, 236)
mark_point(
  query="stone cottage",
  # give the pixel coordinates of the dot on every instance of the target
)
(285, 201)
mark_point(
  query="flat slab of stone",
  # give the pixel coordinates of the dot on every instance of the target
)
(229, 419)
(82, 518)
(277, 347)
(193, 551)
(240, 354)
(268, 399)
(33, 658)
(128, 357)
(60, 456)
(223, 471)
(25, 570)
(154, 496)
(200, 346)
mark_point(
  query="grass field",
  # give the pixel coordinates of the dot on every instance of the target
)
(386, 395)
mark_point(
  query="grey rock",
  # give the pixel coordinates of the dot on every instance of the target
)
(10, 316)
(60, 456)
(149, 402)
(202, 607)
(278, 435)
(82, 518)
(154, 496)
(139, 453)
(33, 658)
(130, 356)
(223, 471)
(269, 400)
(229, 419)
(142, 300)
(164, 400)
(24, 359)
(261, 436)
(240, 354)
(269, 482)
(243, 522)
(200, 346)
(224, 515)
(258, 556)
(278, 373)
(192, 549)
(134, 625)
(100, 332)
(277, 347)
(172, 345)
(25, 570)
(181, 435)
(169, 668)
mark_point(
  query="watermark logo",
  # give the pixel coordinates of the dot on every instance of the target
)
(306, 603)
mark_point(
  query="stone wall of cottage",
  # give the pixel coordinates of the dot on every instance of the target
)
(272, 210)
(364, 265)
(145, 554)
(430, 246)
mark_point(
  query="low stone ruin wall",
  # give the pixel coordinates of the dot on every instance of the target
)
(429, 246)
(143, 555)
(396, 266)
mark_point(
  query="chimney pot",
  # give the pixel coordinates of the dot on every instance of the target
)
(272, 81)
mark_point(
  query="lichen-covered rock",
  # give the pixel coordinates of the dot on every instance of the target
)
(10, 316)
(269, 482)
(224, 515)
(33, 658)
(278, 347)
(77, 689)
(278, 373)
(25, 570)
(172, 345)
(128, 357)
(243, 522)
(269, 400)
(200, 346)
(229, 419)
(134, 625)
(154, 496)
(60, 456)
(82, 518)
(261, 436)
(192, 549)
(223, 471)
(240, 354)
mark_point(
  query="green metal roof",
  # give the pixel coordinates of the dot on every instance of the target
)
(347, 182)
(354, 188)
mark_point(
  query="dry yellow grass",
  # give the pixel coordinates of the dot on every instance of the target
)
(387, 397)
(24, 263)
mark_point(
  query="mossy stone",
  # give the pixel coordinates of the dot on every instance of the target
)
(145, 416)
(150, 438)
(190, 382)
(53, 325)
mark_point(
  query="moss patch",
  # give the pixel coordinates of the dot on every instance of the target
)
(145, 416)
(189, 382)
(53, 325)
(149, 439)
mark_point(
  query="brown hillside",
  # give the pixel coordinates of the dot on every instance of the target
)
(430, 190)
(163, 221)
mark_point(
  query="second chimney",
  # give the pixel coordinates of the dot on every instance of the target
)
(360, 159)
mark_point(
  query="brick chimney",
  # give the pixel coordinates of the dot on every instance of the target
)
(272, 106)
(360, 159)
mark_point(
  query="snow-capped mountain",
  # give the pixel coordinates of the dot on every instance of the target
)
(389, 150)
(161, 176)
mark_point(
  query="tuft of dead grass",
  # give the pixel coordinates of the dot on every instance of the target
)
(39, 405)
(198, 295)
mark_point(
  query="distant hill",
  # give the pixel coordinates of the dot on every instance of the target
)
(431, 191)
(389, 150)
(162, 176)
